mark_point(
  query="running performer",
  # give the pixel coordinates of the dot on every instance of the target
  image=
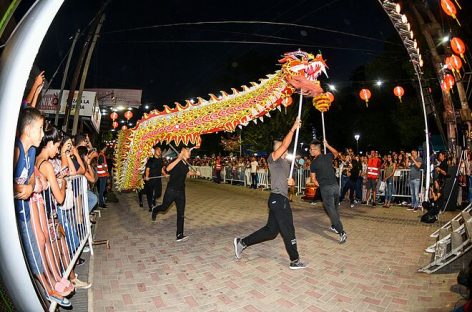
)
(280, 214)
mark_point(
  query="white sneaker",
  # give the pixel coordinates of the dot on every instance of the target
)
(86, 249)
(431, 249)
(182, 238)
(80, 284)
(296, 265)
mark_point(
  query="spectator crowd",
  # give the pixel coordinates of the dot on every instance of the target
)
(49, 212)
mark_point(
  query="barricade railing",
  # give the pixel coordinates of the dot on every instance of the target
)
(206, 172)
(401, 182)
(401, 179)
(234, 175)
(58, 232)
(240, 175)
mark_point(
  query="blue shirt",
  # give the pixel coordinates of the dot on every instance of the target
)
(21, 174)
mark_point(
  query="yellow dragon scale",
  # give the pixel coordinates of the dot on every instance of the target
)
(185, 124)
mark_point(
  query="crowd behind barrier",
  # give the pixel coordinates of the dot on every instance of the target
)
(242, 176)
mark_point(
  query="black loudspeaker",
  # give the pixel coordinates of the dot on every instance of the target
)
(451, 189)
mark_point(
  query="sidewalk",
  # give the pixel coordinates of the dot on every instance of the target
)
(146, 270)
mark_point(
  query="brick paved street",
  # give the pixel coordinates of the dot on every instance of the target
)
(146, 270)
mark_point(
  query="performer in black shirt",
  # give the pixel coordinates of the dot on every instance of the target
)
(152, 184)
(175, 191)
(322, 175)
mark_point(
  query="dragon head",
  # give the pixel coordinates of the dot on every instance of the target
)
(302, 63)
(302, 69)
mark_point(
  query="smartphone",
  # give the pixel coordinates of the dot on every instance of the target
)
(64, 171)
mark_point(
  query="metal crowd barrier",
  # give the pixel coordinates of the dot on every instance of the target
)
(239, 175)
(206, 172)
(401, 179)
(234, 175)
(401, 183)
(61, 232)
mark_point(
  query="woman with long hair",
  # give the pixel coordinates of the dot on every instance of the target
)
(57, 250)
(389, 172)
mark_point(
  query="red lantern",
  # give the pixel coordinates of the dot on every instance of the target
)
(444, 86)
(449, 80)
(450, 9)
(398, 91)
(331, 96)
(365, 95)
(128, 115)
(123, 127)
(458, 46)
(115, 125)
(456, 62)
(448, 62)
(113, 116)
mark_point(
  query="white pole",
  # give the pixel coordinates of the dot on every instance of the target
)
(296, 135)
(324, 131)
(426, 130)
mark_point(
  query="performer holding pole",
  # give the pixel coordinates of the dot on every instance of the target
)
(322, 175)
(152, 181)
(175, 191)
(280, 214)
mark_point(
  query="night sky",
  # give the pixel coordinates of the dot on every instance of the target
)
(177, 62)
(168, 71)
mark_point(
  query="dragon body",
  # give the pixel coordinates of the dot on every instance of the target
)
(186, 123)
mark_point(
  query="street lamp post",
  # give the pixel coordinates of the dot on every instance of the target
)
(357, 137)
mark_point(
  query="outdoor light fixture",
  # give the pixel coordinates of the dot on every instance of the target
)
(146, 106)
(357, 136)
(332, 87)
(120, 108)
(445, 39)
(379, 83)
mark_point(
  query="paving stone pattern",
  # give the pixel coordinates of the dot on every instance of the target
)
(146, 270)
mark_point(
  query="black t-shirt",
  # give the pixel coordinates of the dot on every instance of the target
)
(177, 177)
(356, 168)
(444, 167)
(322, 166)
(155, 167)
